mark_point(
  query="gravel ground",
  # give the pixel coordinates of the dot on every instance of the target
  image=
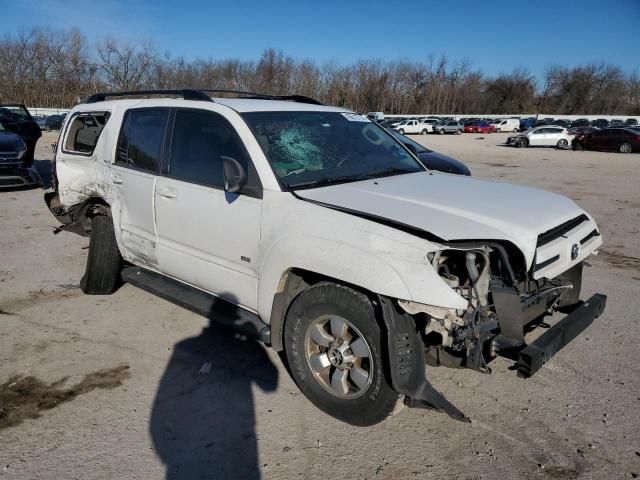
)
(109, 387)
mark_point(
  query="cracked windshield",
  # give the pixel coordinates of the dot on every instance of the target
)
(311, 149)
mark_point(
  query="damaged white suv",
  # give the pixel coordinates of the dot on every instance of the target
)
(314, 230)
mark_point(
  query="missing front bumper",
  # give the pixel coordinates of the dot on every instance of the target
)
(536, 354)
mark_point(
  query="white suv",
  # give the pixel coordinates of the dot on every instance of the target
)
(312, 229)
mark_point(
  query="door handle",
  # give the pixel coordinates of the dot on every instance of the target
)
(116, 178)
(167, 192)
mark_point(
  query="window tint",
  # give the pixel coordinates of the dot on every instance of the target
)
(200, 140)
(141, 138)
(84, 131)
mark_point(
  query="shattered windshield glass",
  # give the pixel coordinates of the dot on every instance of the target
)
(310, 149)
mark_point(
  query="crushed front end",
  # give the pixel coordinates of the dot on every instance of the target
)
(507, 300)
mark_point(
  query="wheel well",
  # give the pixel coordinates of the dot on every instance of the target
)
(82, 214)
(292, 283)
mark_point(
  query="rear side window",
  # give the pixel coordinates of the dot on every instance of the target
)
(83, 132)
(141, 138)
(200, 140)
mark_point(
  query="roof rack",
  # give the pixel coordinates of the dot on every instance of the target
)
(201, 94)
(184, 93)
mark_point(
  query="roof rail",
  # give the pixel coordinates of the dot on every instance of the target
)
(201, 94)
(185, 93)
(291, 98)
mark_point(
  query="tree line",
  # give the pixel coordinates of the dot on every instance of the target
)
(60, 68)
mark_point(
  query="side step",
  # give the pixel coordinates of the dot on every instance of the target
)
(536, 354)
(214, 308)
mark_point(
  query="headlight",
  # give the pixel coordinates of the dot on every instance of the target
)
(22, 148)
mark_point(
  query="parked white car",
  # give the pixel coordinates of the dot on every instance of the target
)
(506, 125)
(314, 230)
(421, 127)
(546, 136)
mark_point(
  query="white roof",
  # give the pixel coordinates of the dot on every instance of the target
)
(239, 104)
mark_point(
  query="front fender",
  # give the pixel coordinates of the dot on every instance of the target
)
(377, 267)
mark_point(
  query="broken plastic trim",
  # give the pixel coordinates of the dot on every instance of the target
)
(407, 363)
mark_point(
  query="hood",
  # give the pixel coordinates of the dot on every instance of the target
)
(454, 207)
(9, 142)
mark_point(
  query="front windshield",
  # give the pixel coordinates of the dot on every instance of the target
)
(308, 149)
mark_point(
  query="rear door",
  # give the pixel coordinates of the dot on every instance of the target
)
(141, 145)
(207, 237)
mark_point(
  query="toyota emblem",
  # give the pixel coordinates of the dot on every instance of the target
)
(575, 251)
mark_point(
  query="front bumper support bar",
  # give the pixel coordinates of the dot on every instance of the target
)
(540, 351)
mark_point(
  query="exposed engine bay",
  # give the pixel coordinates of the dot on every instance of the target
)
(503, 304)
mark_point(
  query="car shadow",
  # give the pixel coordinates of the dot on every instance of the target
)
(203, 417)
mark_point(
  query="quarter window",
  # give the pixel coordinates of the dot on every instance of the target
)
(141, 139)
(84, 131)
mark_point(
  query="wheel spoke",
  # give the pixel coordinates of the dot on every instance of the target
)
(319, 361)
(320, 336)
(338, 328)
(359, 376)
(359, 348)
(339, 381)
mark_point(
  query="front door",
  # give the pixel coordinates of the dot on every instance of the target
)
(207, 237)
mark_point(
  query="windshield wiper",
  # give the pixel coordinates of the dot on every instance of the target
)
(351, 178)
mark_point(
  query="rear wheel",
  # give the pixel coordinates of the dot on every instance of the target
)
(515, 130)
(333, 344)
(102, 273)
(562, 143)
(424, 132)
(624, 148)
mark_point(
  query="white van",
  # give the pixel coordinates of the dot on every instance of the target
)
(507, 125)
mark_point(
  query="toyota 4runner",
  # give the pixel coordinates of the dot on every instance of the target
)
(314, 230)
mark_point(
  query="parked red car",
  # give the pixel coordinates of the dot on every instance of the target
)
(478, 127)
(623, 140)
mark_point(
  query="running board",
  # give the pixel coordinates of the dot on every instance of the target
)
(202, 303)
(536, 354)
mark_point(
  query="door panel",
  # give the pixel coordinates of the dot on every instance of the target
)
(213, 246)
(208, 237)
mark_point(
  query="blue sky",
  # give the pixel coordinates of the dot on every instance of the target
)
(494, 36)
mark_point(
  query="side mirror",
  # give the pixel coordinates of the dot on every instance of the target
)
(234, 175)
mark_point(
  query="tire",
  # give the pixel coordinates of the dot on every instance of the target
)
(458, 132)
(424, 132)
(102, 274)
(401, 131)
(441, 131)
(498, 130)
(522, 143)
(358, 394)
(625, 148)
(562, 144)
(515, 130)
(48, 128)
(578, 146)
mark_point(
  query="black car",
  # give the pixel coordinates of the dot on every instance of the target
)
(581, 122)
(12, 151)
(54, 122)
(16, 118)
(631, 122)
(601, 123)
(433, 160)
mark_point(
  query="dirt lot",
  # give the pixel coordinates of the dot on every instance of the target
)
(109, 387)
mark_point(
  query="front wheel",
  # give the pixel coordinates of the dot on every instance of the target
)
(334, 346)
(522, 143)
(498, 130)
(625, 148)
(401, 131)
(441, 131)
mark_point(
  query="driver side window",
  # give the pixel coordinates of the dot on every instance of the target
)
(199, 141)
